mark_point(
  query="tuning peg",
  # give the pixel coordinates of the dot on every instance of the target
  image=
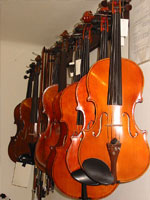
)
(127, 1)
(104, 3)
(128, 7)
(28, 71)
(32, 60)
(25, 77)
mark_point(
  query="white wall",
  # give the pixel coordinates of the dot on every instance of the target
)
(14, 56)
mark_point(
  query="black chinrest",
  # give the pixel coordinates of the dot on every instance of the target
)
(26, 159)
(80, 176)
(98, 171)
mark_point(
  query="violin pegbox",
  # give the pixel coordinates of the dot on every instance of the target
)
(3, 196)
(87, 17)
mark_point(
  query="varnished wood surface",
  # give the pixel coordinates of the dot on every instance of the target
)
(116, 121)
(60, 172)
(52, 133)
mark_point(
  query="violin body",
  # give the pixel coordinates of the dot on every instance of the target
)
(12, 144)
(52, 133)
(60, 138)
(60, 173)
(87, 107)
(116, 121)
(25, 138)
(88, 111)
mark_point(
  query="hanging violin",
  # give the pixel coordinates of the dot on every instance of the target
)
(51, 106)
(46, 74)
(62, 178)
(18, 121)
(88, 110)
(115, 86)
(62, 83)
(27, 137)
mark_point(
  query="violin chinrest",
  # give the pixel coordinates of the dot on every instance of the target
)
(26, 159)
(98, 171)
(81, 177)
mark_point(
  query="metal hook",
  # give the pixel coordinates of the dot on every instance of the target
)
(32, 60)
(35, 54)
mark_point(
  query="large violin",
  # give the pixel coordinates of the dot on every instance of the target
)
(115, 86)
(18, 121)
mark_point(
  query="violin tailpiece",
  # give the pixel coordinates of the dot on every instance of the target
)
(114, 150)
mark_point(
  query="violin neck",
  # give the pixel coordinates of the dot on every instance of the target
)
(51, 68)
(103, 45)
(31, 77)
(85, 55)
(62, 76)
(29, 88)
(115, 75)
(56, 68)
(34, 106)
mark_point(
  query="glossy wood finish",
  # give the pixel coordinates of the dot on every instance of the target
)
(12, 144)
(88, 111)
(62, 132)
(60, 172)
(87, 108)
(115, 121)
(21, 141)
(52, 133)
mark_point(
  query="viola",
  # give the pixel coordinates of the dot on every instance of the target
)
(13, 145)
(115, 139)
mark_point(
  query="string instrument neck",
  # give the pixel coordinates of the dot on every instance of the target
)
(115, 73)
(34, 105)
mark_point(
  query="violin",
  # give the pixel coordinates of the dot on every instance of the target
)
(65, 181)
(88, 110)
(115, 86)
(51, 106)
(45, 81)
(56, 102)
(27, 137)
(60, 173)
(42, 186)
(12, 145)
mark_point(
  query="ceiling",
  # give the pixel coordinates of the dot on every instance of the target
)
(40, 21)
